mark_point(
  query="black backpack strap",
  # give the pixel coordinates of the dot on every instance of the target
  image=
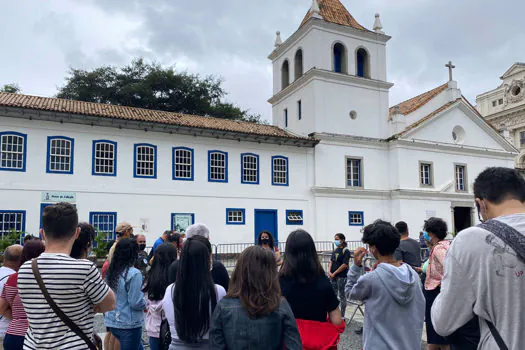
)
(507, 234)
(497, 337)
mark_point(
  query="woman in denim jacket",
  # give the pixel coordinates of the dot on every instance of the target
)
(125, 322)
(254, 315)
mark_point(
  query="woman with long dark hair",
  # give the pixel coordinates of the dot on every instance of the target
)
(304, 283)
(190, 301)
(11, 304)
(154, 289)
(254, 315)
(266, 241)
(84, 243)
(125, 322)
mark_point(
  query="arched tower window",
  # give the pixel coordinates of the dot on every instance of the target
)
(362, 63)
(298, 64)
(285, 74)
(340, 58)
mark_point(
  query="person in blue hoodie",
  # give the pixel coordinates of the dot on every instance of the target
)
(392, 292)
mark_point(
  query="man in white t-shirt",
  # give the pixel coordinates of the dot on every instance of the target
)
(484, 276)
(74, 285)
(11, 265)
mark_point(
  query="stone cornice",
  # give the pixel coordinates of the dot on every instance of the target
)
(326, 75)
(391, 194)
(451, 148)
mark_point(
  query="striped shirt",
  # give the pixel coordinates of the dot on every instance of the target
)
(18, 324)
(75, 286)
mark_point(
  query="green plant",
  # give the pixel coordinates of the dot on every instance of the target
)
(100, 248)
(9, 239)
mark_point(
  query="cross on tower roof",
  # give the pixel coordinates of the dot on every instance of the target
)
(450, 66)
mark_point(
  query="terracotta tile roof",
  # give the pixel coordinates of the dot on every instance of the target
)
(424, 119)
(139, 114)
(335, 12)
(419, 101)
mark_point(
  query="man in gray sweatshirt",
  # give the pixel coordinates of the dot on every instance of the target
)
(392, 293)
(484, 276)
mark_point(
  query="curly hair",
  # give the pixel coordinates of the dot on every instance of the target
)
(383, 236)
(438, 227)
(271, 242)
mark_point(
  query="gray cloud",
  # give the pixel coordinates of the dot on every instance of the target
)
(233, 38)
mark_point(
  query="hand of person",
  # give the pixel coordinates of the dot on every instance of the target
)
(359, 254)
(331, 275)
(418, 269)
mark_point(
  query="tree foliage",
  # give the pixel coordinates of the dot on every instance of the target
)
(151, 86)
(11, 88)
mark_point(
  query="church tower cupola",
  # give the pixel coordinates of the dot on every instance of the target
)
(330, 75)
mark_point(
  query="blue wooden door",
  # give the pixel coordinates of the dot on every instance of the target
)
(266, 220)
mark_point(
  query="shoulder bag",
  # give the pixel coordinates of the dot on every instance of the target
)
(67, 321)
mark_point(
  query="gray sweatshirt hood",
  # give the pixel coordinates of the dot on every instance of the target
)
(398, 281)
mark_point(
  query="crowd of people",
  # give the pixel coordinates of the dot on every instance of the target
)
(467, 293)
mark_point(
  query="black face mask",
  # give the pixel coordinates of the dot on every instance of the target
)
(142, 246)
(265, 241)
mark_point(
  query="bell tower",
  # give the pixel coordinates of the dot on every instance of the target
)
(330, 75)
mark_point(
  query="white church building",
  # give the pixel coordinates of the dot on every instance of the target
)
(335, 159)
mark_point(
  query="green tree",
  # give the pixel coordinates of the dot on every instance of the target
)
(151, 86)
(11, 88)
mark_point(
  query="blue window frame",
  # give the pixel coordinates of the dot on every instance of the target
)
(294, 217)
(217, 166)
(181, 221)
(12, 220)
(299, 110)
(13, 151)
(249, 168)
(356, 218)
(286, 117)
(104, 158)
(279, 171)
(60, 155)
(145, 161)
(104, 222)
(235, 216)
(183, 163)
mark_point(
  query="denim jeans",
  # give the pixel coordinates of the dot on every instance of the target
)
(338, 284)
(154, 343)
(13, 342)
(130, 339)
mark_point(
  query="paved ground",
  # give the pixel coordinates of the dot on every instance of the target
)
(349, 340)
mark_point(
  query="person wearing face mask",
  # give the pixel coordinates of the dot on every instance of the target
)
(265, 240)
(142, 259)
(484, 267)
(391, 292)
(434, 233)
(338, 268)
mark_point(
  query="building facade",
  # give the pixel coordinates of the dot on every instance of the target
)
(336, 157)
(504, 108)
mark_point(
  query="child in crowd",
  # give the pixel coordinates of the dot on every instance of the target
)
(392, 293)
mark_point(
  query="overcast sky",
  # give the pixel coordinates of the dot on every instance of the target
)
(40, 40)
